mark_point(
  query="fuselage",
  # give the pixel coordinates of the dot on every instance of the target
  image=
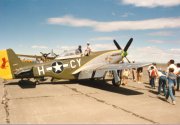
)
(70, 67)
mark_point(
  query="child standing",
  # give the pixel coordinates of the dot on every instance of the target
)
(153, 75)
(171, 83)
(125, 76)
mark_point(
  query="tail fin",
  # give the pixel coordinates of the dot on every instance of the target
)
(9, 62)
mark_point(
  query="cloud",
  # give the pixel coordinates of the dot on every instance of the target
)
(150, 24)
(98, 47)
(162, 33)
(103, 38)
(175, 51)
(71, 21)
(163, 41)
(156, 41)
(127, 14)
(39, 47)
(154, 54)
(152, 3)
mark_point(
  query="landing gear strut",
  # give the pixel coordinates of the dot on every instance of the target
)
(116, 81)
(116, 84)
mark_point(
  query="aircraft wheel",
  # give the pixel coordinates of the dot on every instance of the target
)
(37, 82)
(116, 84)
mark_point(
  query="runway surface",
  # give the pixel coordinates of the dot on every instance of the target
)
(85, 102)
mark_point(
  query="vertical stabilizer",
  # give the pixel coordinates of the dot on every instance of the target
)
(9, 62)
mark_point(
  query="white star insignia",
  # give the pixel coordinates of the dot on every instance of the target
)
(58, 67)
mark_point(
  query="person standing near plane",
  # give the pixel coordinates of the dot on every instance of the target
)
(149, 69)
(178, 76)
(139, 74)
(162, 81)
(125, 76)
(172, 65)
(153, 75)
(133, 73)
(171, 78)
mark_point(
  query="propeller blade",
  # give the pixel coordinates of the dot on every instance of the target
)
(117, 45)
(128, 45)
(127, 60)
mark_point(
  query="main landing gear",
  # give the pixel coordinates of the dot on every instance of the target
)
(116, 81)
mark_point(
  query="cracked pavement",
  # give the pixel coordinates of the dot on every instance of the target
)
(85, 102)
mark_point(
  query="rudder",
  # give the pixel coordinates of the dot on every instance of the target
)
(9, 62)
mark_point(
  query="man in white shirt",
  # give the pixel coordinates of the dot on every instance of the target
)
(171, 65)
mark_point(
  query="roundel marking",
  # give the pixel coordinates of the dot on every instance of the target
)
(57, 67)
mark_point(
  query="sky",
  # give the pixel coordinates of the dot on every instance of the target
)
(34, 26)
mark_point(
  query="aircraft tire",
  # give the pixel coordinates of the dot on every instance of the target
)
(116, 84)
(36, 82)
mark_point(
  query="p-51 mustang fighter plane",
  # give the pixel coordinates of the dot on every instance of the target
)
(80, 67)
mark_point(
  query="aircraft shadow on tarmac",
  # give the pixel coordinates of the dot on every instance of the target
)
(98, 84)
(103, 85)
(25, 84)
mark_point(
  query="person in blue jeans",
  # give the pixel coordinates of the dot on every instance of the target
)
(171, 83)
(162, 82)
(178, 76)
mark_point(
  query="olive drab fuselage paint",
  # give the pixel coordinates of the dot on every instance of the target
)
(13, 68)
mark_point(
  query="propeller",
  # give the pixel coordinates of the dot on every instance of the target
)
(45, 55)
(126, 47)
(117, 45)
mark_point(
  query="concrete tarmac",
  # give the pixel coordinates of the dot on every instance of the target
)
(85, 102)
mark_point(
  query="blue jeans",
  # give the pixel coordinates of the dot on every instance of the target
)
(152, 80)
(162, 83)
(178, 82)
(170, 92)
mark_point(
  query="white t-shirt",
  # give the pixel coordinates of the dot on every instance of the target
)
(172, 66)
(160, 74)
(178, 71)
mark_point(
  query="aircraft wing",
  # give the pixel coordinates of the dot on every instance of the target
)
(29, 56)
(33, 56)
(122, 66)
(99, 71)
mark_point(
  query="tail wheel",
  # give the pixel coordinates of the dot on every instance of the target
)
(36, 82)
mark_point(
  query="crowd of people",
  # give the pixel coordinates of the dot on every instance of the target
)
(168, 80)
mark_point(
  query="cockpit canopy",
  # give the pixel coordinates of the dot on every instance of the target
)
(69, 54)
